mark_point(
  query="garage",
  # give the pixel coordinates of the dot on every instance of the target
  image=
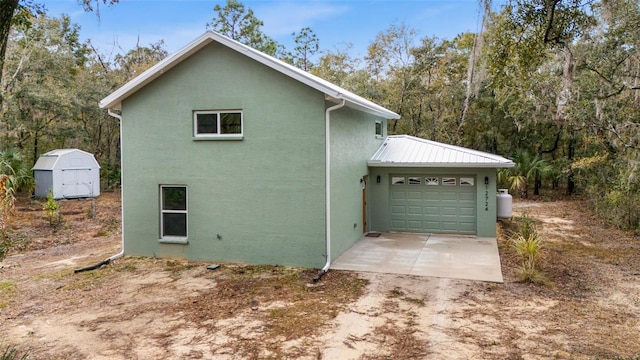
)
(423, 186)
(433, 203)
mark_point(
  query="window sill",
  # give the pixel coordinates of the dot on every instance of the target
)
(218, 138)
(379, 136)
(180, 241)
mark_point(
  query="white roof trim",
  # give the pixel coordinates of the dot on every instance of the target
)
(410, 151)
(114, 100)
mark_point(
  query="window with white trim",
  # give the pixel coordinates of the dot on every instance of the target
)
(379, 132)
(173, 212)
(223, 124)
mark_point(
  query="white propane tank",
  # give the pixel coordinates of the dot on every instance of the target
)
(504, 204)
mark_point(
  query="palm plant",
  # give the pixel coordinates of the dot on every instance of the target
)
(14, 176)
(528, 168)
(14, 165)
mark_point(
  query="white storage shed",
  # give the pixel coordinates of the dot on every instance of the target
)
(69, 173)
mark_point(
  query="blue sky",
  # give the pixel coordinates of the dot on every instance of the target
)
(336, 23)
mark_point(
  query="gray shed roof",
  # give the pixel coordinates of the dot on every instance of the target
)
(410, 151)
(114, 100)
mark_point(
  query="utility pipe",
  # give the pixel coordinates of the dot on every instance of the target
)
(327, 186)
(121, 253)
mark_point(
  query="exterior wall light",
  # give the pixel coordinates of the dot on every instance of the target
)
(486, 180)
(378, 179)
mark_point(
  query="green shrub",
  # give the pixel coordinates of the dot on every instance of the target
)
(52, 209)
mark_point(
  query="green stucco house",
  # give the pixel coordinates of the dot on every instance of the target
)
(229, 154)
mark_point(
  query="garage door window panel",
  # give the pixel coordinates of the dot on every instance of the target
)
(432, 181)
(449, 181)
(397, 180)
(467, 181)
(415, 180)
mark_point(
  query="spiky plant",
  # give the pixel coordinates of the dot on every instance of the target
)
(11, 353)
(528, 245)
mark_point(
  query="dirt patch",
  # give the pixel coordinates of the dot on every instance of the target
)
(142, 308)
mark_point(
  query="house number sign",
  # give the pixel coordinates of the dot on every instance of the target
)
(486, 198)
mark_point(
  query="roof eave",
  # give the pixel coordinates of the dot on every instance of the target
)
(114, 100)
(375, 163)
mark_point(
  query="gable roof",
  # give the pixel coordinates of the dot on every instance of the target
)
(49, 160)
(410, 151)
(114, 100)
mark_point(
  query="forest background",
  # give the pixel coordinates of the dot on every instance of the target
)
(552, 84)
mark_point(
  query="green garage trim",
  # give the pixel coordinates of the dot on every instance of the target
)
(421, 203)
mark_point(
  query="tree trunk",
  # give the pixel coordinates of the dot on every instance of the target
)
(35, 148)
(571, 185)
(7, 10)
(471, 89)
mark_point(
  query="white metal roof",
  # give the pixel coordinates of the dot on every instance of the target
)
(114, 100)
(49, 160)
(410, 151)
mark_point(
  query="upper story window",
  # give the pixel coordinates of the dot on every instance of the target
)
(224, 124)
(379, 132)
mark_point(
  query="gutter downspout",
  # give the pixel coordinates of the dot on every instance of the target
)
(121, 253)
(327, 172)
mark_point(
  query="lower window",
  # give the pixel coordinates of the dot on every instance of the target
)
(173, 212)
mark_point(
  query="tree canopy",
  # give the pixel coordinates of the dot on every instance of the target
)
(552, 84)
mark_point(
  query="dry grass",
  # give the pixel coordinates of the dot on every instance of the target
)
(283, 299)
(589, 308)
(7, 293)
(582, 306)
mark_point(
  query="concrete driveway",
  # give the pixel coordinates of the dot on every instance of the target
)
(436, 255)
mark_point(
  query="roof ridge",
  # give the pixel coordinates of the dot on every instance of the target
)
(114, 99)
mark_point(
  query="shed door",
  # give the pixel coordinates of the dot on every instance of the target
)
(77, 183)
(435, 204)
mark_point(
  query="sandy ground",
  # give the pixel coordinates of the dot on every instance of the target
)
(138, 308)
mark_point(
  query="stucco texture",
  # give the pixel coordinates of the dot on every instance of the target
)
(255, 200)
(260, 199)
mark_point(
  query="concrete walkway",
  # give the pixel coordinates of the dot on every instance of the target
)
(445, 256)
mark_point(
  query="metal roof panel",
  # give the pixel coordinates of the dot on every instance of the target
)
(405, 150)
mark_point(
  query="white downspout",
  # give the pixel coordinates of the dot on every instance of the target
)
(121, 253)
(119, 117)
(327, 172)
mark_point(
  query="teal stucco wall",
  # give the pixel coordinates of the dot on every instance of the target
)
(256, 200)
(379, 208)
(353, 142)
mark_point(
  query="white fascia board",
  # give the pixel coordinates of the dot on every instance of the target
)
(113, 101)
(308, 79)
(373, 163)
